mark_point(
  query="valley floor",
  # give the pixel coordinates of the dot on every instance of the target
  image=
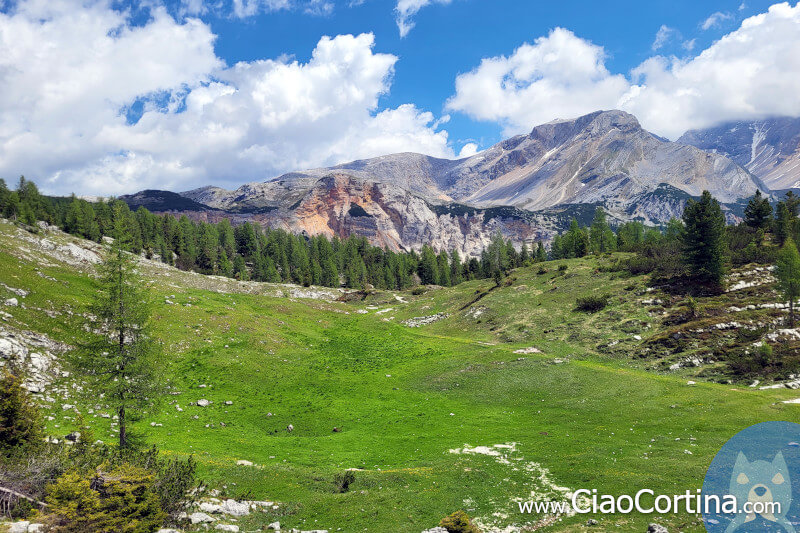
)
(498, 395)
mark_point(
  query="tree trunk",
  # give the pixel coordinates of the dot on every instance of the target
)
(123, 434)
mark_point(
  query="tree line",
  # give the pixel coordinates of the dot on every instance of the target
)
(251, 252)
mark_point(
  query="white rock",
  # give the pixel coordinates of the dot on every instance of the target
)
(201, 518)
(12, 302)
(167, 530)
(227, 527)
(228, 402)
(436, 529)
(242, 462)
(234, 508)
(208, 507)
(203, 403)
(35, 528)
(19, 527)
(275, 526)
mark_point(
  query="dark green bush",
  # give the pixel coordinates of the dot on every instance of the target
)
(419, 290)
(592, 303)
(459, 522)
(343, 481)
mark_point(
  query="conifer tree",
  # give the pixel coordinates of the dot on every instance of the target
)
(704, 239)
(20, 423)
(787, 270)
(121, 361)
(758, 212)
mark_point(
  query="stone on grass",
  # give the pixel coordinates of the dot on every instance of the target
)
(243, 462)
(203, 403)
(657, 528)
(227, 527)
(234, 508)
(275, 526)
(201, 518)
(19, 527)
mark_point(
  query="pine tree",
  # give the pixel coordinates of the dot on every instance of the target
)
(704, 239)
(428, 267)
(598, 234)
(787, 270)
(443, 269)
(783, 222)
(122, 362)
(541, 254)
(456, 268)
(240, 271)
(758, 212)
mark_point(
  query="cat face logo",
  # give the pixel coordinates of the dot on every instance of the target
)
(761, 488)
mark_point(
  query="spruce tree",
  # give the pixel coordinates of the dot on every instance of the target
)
(428, 267)
(20, 423)
(758, 212)
(121, 362)
(541, 254)
(787, 270)
(704, 239)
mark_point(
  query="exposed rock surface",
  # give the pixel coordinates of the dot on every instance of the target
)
(770, 148)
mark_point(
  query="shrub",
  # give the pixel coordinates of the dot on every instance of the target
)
(343, 481)
(121, 500)
(20, 424)
(562, 268)
(418, 290)
(542, 271)
(459, 522)
(592, 303)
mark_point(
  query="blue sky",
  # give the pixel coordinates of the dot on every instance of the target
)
(453, 38)
(108, 97)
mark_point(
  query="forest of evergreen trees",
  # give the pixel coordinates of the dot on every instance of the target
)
(250, 252)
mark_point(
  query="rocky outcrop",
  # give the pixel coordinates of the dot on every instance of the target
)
(770, 149)
(403, 201)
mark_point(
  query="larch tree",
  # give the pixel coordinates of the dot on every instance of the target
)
(120, 361)
(787, 270)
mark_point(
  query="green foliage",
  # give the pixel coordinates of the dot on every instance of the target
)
(343, 481)
(121, 360)
(459, 522)
(20, 423)
(592, 303)
(787, 270)
(758, 212)
(120, 500)
(704, 240)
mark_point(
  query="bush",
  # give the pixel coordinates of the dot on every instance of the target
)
(419, 290)
(343, 481)
(592, 304)
(20, 424)
(562, 268)
(459, 522)
(121, 500)
(541, 271)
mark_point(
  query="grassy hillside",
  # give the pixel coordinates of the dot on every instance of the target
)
(431, 419)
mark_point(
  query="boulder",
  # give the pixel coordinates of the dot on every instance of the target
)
(201, 518)
(234, 508)
(657, 528)
(275, 526)
(242, 462)
(203, 403)
(436, 529)
(12, 302)
(227, 527)
(19, 527)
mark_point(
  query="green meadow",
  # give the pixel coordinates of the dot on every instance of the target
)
(415, 413)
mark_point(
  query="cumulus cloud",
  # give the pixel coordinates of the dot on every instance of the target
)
(94, 104)
(468, 150)
(406, 9)
(560, 75)
(752, 72)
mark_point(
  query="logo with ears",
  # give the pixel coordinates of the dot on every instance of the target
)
(761, 488)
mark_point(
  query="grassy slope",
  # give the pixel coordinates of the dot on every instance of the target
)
(594, 421)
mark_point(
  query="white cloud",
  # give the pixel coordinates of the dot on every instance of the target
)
(752, 72)
(248, 8)
(663, 35)
(559, 75)
(715, 20)
(70, 71)
(468, 150)
(406, 9)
